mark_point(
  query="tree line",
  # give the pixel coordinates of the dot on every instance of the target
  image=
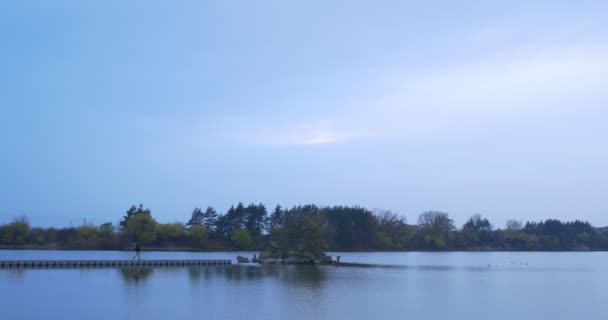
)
(308, 227)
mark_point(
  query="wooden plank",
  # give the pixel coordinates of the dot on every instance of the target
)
(107, 263)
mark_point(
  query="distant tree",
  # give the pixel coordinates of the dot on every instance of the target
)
(276, 218)
(434, 228)
(435, 223)
(241, 238)
(476, 232)
(199, 233)
(232, 220)
(553, 234)
(350, 227)
(106, 231)
(477, 224)
(514, 225)
(17, 232)
(393, 232)
(132, 212)
(303, 229)
(87, 232)
(196, 218)
(255, 220)
(210, 218)
(170, 231)
(313, 228)
(141, 227)
(223, 228)
(239, 216)
(37, 236)
(67, 236)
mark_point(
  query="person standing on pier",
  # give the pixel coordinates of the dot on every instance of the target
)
(137, 251)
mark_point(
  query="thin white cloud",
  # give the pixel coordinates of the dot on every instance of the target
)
(309, 133)
(439, 101)
(520, 77)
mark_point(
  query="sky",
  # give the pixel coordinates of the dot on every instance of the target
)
(492, 107)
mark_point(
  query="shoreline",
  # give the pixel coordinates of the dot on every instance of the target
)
(185, 249)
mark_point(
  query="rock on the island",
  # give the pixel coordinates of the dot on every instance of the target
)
(241, 259)
(294, 257)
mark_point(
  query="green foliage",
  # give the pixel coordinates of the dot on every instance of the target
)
(583, 237)
(141, 227)
(435, 224)
(350, 227)
(303, 229)
(476, 232)
(392, 231)
(170, 231)
(556, 235)
(514, 225)
(477, 224)
(438, 242)
(313, 229)
(106, 231)
(87, 232)
(196, 218)
(276, 218)
(207, 218)
(233, 219)
(17, 231)
(199, 233)
(132, 212)
(255, 220)
(251, 218)
(37, 236)
(241, 238)
(385, 240)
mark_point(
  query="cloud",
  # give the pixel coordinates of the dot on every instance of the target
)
(439, 101)
(518, 77)
(309, 133)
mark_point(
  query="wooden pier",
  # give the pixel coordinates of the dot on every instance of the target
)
(9, 264)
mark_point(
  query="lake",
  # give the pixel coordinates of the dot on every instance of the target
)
(415, 285)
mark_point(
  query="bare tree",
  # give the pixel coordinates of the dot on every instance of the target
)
(388, 216)
(435, 223)
(514, 225)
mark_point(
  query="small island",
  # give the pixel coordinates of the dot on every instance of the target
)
(288, 257)
(294, 257)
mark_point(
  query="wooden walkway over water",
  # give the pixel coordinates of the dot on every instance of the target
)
(5, 264)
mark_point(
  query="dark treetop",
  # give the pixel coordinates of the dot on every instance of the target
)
(308, 227)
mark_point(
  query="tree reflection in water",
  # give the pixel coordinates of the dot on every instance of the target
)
(136, 275)
(306, 275)
(310, 276)
(300, 275)
(205, 272)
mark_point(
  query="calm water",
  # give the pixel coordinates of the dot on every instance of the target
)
(403, 285)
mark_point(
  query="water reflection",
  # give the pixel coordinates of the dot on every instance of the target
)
(247, 272)
(16, 274)
(421, 286)
(136, 275)
(200, 273)
(196, 273)
(450, 268)
(296, 275)
(306, 275)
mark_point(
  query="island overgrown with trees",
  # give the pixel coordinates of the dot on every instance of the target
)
(307, 227)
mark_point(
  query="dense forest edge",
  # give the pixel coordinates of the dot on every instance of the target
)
(307, 227)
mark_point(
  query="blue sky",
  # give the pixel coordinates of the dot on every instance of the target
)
(491, 107)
